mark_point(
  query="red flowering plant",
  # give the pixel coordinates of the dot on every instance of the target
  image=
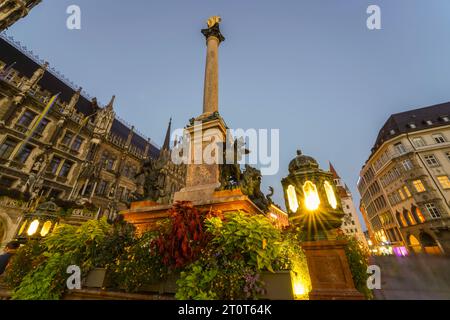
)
(184, 238)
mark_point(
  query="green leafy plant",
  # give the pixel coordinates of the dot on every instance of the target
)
(66, 246)
(241, 247)
(138, 266)
(358, 259)
(24, 261)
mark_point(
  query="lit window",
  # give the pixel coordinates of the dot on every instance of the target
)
(411, 218)
(439, 138)
(407, 192)
(402, 196)
(433, 211)
(420, 215)
(292, 198)
(418, 185)
(330, 195)
(403, 221)
(312, 200)
(431, 160)
(444, 181)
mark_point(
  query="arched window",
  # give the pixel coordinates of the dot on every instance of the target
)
(312, 200)
(418, 214)
(410, 216)
(401, 219)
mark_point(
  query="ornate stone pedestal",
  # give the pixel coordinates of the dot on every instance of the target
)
(145, 215)
(331, 278)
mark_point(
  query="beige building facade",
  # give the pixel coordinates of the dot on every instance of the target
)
(13, 10)
(80, 154)
(405, 183)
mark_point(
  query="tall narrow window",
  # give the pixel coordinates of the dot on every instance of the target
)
(407, 192)
(7, 148)
(54, 165)
(65, 169)
(67, 139)
(26, 119)
(407, 165)
(41, 127)
(76, 145)
(25, 153)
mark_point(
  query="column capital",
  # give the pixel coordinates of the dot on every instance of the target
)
(214, 31)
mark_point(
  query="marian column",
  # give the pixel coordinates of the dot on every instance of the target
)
(211, 89)
(208, 131)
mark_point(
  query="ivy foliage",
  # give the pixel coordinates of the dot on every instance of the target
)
(67, 245)
(241, 247)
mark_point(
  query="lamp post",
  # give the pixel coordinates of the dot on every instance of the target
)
(314, 206)
(38, 223)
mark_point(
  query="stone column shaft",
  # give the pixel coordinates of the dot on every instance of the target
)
(211, 89)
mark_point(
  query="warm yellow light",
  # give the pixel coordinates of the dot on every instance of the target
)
(330, 195)
(22, 228)
(369, 242)
(46, 228)
(299, 289)
(312, 200)
(33, 227)
(292, 198)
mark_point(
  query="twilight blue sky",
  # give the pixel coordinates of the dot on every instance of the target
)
(310, 68)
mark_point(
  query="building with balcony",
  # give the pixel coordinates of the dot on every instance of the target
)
(405, 183)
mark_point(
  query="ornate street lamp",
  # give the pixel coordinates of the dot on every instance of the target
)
(38, 223)
(311, 198)
(313, 204)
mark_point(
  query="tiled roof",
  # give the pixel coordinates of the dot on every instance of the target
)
(412, 121)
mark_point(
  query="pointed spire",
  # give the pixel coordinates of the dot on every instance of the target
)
(334, 172)
(166, 145)
(74, 100)
(111, 103)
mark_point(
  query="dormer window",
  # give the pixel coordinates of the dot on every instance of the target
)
(392, 132)
(445, 118)
(429, 122)
(412, 126)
